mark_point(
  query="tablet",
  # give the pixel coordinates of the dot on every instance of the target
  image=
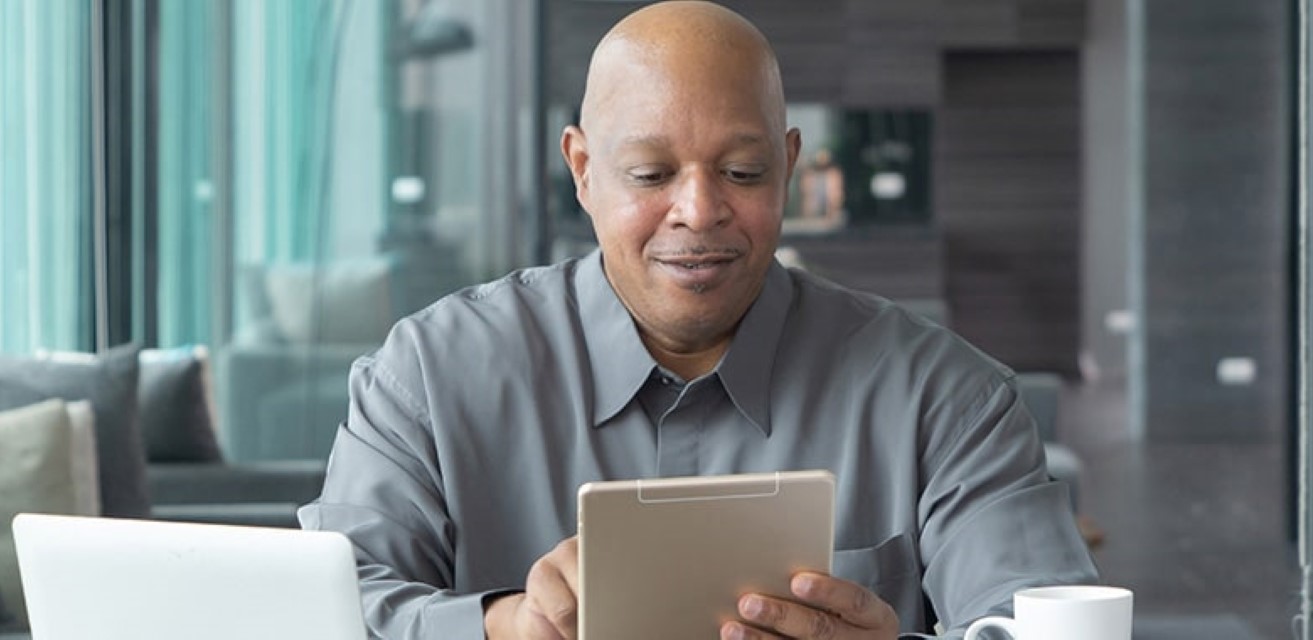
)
(669, 558)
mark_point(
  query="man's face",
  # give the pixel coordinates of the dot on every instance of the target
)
(685, 181)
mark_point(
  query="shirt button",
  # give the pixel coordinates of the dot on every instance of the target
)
(666, 380)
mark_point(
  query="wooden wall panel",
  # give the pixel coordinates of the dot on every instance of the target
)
(1007, 198)
(893, 77)
(850, 52)
(899, 264)
(979, 23)
(912, 23)
(1056, 22)
(573, 30)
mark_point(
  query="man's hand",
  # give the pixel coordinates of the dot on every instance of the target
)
(547, 608)
(831, 609)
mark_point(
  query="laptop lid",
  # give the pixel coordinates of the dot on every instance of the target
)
(150, 580)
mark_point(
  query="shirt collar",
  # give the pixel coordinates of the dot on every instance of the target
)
(621, 364)
(748, 366)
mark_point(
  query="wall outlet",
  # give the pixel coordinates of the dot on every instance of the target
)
(1237, 371)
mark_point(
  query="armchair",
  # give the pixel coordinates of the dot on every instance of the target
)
(282, 380)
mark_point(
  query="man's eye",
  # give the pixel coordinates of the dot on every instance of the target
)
(744, 176)
(647, 178)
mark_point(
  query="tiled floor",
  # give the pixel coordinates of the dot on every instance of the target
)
(1192, 529)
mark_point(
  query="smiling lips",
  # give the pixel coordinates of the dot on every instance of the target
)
(698, 271)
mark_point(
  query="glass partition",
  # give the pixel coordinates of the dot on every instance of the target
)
(311, 172)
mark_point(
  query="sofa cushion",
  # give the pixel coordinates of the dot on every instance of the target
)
(174, 406)
(109, 381)
(35, 476)
(347, 302)
(82, 446)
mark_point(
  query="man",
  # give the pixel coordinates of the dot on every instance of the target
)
(683, 348)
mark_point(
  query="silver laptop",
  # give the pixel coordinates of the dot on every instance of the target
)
(149, 580)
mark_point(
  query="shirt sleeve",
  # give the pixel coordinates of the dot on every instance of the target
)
(383, 489)
(992, 522)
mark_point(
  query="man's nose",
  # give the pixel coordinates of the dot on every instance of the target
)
(699, 203)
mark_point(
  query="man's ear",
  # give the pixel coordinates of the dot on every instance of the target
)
(574, 147)
(792, 147)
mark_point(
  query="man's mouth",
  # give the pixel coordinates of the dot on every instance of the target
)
(700, 257)
(698, 272)
(700, 263)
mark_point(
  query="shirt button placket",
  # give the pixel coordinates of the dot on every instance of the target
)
(677, 454)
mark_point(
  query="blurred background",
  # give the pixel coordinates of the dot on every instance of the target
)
(1098, 193)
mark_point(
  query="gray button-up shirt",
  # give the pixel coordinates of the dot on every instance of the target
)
(471, 428)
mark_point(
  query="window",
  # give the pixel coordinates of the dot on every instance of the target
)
(46, 291)
(286, 180)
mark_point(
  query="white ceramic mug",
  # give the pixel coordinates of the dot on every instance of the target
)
(1064, 613)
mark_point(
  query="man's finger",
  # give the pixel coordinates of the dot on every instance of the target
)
(531, 625)
(549, 595)
(792, 619)
(566, 557)
(736, 630)
(850, 601)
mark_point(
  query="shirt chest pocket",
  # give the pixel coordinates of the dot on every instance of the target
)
(890, 570)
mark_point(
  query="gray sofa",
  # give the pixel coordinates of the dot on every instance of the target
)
(283, 401)
(265, 494)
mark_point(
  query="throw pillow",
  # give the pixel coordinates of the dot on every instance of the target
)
(109, 381)
(174, 406)
(345, 303)
(82, 445)
(35, 476)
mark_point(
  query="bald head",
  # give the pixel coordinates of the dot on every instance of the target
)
(678, 46)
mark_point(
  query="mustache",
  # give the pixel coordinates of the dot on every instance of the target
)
(698, 251)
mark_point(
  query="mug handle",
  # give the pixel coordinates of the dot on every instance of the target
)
(1007, 624)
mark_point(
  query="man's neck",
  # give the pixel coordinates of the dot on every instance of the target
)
(687, 365)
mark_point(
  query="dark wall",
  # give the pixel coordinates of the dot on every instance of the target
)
(1216, 208)
(1001, 77)
(1008, 199)
(849, 52)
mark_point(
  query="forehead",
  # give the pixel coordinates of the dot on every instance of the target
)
(721, 84)
(659, 110)
(662, 142)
